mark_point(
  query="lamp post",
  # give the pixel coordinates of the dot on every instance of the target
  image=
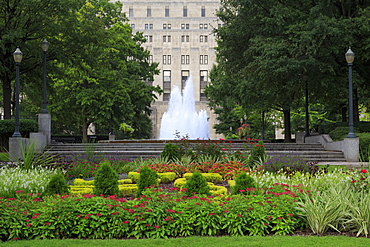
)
(350, 56)
(44, 46)
(307, 118)
(17, 55)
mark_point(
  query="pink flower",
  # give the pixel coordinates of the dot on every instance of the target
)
(47, 223)
(19, 191)
(125, 222)
(363, 171)
(157, 227)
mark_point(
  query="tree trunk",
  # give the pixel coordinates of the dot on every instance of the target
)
(287, 131)
(84, 127)
(344, 113)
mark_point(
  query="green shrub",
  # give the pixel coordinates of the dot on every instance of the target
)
(339, 133)
(196, 184)
(57, 185)
(364, 146)
(326, 128)
(242, 182)
(7, 129)
(147, 178)
(171, 152)
(210, 149)
(106, 180)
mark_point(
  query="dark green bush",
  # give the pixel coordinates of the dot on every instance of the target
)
(7, 129)
(242, 182)
(57, 185)
(197, 184)
(147, 178)
(171, 152)
(364, 146)
(106, 180)
(211, 149)
(361, 126)
(339, 133)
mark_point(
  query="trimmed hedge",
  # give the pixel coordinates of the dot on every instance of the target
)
(326, 128)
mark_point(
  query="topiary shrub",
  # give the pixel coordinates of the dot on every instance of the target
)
(106, 180)
(242, 182)
(147, 178)
(171, 152)
(196, 184)
(57, 185)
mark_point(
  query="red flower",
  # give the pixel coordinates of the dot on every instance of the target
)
(157, 227)
(125, 222)
(47, 223)
(29, 224)
(363, 171)
(19, 191)
(98, 214)
(353, 181)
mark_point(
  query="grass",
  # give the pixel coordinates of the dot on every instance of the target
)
(286, 241)
(4, 156)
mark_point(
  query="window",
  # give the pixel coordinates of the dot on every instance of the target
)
(185, 38)
(205, 59)
(185, 11)
(166, 38)
(132, 26)
(166, 26)
(203, 83)
(185, 59)
(203, 11)
(131, 12)
(206, 38)
(150, 59)
(166, 84)
(164, 59)
(200, 26)
(184, 77)
(146, 26)
(150, 26)
(185, 26)
(219, 25)
(167, 11)
(205, 26)
(149, 38)
(148, 11)
(203, 38)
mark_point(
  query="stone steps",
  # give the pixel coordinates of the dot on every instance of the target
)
(153, 148)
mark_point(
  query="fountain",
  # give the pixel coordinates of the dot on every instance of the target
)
(181, 116)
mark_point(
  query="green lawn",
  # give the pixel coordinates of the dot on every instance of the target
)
(284, 241)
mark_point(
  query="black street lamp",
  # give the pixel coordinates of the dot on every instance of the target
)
(44, 46)
(350, 56)
(17, 55)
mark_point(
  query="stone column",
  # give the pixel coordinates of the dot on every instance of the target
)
(44, 120)
(351, 149)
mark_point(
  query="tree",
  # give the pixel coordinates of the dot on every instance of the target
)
(277, 48)
(21, 27)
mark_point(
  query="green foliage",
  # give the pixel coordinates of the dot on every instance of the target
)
(171, 152)
(242, 182)
(57, 185)
(197, 184)
(106, 180)
(147, 179)
(32, 157)
(289, 165)
(256, 154)
(327, 128)
(213, 150)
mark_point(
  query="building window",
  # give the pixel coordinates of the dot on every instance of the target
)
(203, 38)
(184, 77)
(146, 26)
(150, 59)
(131, 12)
(167, 11)
(166, 38)
(185, 59)
(169, 26)
(185, 26)
(149, 82)
(168, 59)
(150, 26)
(203, 59)
(149, 38)
(205, 26)
(185, 11)
(200, 26)
(219, 25)
(166, 26)
(203, 11)
(185, 38)
(166, 85)
(203, 83)
(132, 26)
(164, 59)
(148, 11)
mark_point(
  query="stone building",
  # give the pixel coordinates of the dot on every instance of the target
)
(179, 37)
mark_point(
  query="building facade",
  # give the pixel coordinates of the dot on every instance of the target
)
(179, 38)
